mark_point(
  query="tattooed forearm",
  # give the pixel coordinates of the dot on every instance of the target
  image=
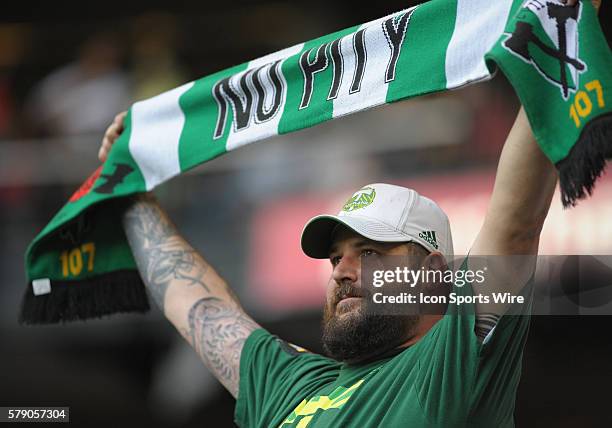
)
(208, 315)
(217, 331)
(161, 254)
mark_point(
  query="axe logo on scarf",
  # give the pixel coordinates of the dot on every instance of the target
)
(112, 180)
(256, 95)
(553, 47)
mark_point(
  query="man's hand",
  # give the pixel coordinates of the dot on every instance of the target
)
(596, 3)
(110, 136)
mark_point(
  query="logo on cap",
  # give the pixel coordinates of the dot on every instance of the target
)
(429, 236)
(361, 199)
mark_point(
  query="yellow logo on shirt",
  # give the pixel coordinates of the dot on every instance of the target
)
(305, 411)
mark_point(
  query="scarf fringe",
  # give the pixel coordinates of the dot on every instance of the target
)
(586, 161)
(115, 292)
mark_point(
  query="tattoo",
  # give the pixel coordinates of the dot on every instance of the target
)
(160, 253)
(216, 326)
(217, 331)
(484, 323)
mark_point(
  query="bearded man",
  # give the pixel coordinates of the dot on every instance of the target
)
(451, 369)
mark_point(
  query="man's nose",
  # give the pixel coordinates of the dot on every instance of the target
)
(347, 269)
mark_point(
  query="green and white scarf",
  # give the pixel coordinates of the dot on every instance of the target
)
(556, 58)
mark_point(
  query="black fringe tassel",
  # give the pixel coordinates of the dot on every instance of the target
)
(110, 293)
(586, 160)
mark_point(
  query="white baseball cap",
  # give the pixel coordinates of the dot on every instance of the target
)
(384, 213)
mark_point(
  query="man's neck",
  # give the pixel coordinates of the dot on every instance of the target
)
(425, 324)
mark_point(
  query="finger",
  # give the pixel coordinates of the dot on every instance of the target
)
(119, 119)
(117, 127)
(117, 124)
(102, 155)
(113, 132)
(121, 116)
(572, 3)
(597, 4)
(104, 149)
(108, 133)
(106, 145)
(110, 136)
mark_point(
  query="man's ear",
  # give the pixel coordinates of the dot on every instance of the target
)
(435, 261)
(434, 285)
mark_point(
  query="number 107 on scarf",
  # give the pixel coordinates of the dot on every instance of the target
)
(583, 105)
(74, 260)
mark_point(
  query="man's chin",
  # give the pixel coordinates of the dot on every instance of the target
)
(353, 337)
(350, 305)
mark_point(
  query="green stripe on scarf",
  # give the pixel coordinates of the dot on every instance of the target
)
(556, 58)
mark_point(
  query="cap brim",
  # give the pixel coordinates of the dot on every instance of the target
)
(317, 234)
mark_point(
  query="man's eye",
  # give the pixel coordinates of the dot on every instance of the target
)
(368, 252)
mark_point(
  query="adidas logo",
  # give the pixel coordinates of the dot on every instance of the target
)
(429, 236)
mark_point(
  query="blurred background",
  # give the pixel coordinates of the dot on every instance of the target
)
(67, 68)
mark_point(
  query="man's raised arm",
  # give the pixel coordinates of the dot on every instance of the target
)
(185, 287)
(524, 186)
(523, 190)
(188, 290)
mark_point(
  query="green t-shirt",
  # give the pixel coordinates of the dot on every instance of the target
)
(446, 379)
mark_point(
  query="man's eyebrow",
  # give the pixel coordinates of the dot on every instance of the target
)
(359, 244)
(333, 249)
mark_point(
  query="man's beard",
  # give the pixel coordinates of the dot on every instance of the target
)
(362, 335)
